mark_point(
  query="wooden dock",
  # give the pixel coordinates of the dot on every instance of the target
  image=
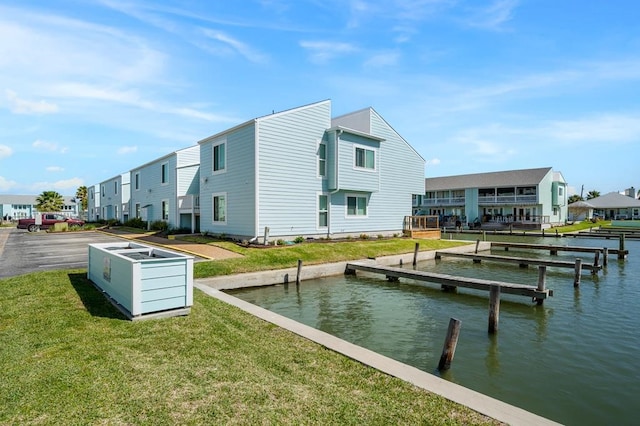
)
(539, 292)
(554, 249)
(520, 261)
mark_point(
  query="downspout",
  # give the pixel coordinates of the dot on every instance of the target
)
(338, 132)
(256, 167)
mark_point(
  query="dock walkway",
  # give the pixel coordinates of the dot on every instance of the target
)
(536, 292)
(521, 261)
(554, 249)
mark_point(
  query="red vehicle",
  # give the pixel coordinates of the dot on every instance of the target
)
(47, 220)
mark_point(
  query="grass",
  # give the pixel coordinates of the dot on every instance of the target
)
(580, 226)
(259, 259)
(68, 357)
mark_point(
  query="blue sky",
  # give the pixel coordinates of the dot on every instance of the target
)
(91, 89)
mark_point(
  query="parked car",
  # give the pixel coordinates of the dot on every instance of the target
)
(48, 220)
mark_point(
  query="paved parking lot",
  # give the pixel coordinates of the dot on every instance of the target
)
(22, 252)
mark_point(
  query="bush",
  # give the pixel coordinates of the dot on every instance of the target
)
(364, 236)
(159, 225)
(136, 222)
(280, 242)
(298, 239)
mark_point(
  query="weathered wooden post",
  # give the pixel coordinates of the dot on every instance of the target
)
(415, 254)
(494, 308)
(542, 232)
(577, 274)
(596, 263)
(621, 247)
(542, 276)
(266, 235)
(450, 343)
(484, 235)
(556, 233)
(605, 256)
(298, 273)
(477, 244)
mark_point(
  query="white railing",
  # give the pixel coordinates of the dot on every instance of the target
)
(189, 203)
(508, 199)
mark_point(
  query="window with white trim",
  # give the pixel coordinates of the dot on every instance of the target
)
(356, 205)
(137, 181)
(219, 157)
(323, 211)
(138, 211)
(322, 159)
(115, 212)
(115, 187)
(220, 208)
(365, 158)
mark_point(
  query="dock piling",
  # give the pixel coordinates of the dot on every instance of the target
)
(542, 277)
(576, 275)
(450, 343)
(621, 252)
(494, 308)
(415, 254)
(477, 244)
(605, 256)
(299, 271)
(596, 263)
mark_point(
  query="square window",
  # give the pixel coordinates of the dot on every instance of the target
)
(356, 206)
(365, 158)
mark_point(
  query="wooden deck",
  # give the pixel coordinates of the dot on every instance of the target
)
(521, 261)
(539, 294)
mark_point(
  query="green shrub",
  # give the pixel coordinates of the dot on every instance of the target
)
(159, 225)
(380, 236)
(136, 222)
(364, 236)
(280, 242)
(298, 239)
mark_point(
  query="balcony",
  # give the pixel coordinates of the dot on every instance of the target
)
(507, 199)
(452, 201)
(189, 204)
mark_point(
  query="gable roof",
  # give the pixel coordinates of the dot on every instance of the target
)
(491, 179)
(614, 200)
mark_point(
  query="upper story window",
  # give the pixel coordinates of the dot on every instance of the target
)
(164, 173)
(115, 187)
(102, 190)
(219, 157)
(137, 181)
(561, 191)
(322, 160)
(91, 194)
(365, 158)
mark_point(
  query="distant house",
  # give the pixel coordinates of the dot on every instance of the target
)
(301, 173)
(24, 206)
(167, 189)
(614, 206)
(93, 203)
(114, 198)
(533, 198)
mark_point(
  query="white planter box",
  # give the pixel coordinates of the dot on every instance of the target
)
(142, 281)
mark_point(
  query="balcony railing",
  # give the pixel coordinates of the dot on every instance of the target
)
(455, 201)
(189, 204)
(508, 199)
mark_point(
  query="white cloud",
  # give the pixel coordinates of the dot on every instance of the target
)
(66, 185)
(324, 51)
(55, 169)
(22, 106)
(127, 150)
(227, 44)
(6, 185)
(433, 162)
(47, 146)
(607, 128)
(494, 16)
(5, 151)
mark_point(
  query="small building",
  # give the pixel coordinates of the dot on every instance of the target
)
(114, 198)
(93, 203)
(615, 206)
(301, 173)
(24, 207)
(528, 198)
(168, 189)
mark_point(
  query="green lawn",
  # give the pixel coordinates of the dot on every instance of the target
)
(258, 259)
(68, 357)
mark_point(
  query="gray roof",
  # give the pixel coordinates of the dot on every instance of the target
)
(614, 200)
(488, 180)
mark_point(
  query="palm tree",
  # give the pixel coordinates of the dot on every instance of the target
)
(49, 201)
(81, 194)
(574, 198)
(593, 194)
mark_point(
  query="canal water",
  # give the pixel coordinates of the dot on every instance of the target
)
(575, 359)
